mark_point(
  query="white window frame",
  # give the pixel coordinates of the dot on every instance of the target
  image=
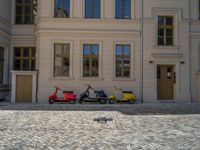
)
(71, 15)
(132, 60)
(101, 9)
(132, 9)
(70, 42)
(100, 43)
(176, 16)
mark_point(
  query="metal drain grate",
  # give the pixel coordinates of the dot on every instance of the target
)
(103, 119)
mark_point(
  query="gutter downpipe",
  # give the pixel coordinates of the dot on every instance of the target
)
(190, 64)
(141, 51)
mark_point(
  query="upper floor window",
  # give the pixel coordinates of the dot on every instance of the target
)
(92, 8)
(90, 60)
(24, 58)
(165, 30)
(122, 66)
(1, 64)
(62, 9)
(62, 60)
(123, 9)
(25, 11)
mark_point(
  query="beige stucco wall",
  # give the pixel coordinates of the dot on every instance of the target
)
(76, 30)
(166, 55)
(5, 43)
(76, 82)
(107, 31)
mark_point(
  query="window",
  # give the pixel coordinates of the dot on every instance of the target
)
(25, 11)
(1, 64)
(199, 59)
(158, 72)
(62, 9)
(165, 31)
(123, 9)
(92, 8)
(24, 58)
(62, 60)
(199, 9)
(122, 61)
(90, 60)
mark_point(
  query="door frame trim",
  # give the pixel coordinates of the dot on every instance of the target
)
(176, 86)
(34, 84)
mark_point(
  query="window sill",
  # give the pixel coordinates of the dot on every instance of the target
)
(166, 47)
(61, 78)
(91, 79)
(90, 18)
(123, 79)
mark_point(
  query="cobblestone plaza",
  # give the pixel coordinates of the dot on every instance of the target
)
(149, 127)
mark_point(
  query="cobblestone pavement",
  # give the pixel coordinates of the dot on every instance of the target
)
(25, 127)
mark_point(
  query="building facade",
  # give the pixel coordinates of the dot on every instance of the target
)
(150, 47)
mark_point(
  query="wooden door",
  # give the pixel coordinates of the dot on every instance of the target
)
(24, 88)
(165, 82)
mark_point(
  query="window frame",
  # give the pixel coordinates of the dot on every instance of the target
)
(62, 57)
(165, 27)
(62, 3)
(123, 57)
(93, 10)
(132, 60)
(199, 9)
(23, 15)
(123, 16)
(3, 61)
(91, 56)
(22, 58)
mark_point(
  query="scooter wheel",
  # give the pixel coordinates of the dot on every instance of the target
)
(51, 101)
(102, 101)
(81, 101)
(111, 101)
(131, 101)
(72, 102)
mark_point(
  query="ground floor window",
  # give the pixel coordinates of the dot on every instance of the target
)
(1, 64)
(24, 58)
(122, 61)
(90, 60)
(62, 60)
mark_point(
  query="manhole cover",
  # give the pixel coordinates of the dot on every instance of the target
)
(103, 119)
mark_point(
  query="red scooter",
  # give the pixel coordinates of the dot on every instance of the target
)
(68, 97)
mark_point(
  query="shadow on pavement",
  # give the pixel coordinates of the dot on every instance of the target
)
(136, 109)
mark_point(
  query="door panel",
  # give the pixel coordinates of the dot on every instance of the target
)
(24, 88)
(165, 82)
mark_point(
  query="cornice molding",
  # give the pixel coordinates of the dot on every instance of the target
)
(96, 33)
(84, 20)
(167, 55)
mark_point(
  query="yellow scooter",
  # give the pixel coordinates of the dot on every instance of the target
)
(122, 96)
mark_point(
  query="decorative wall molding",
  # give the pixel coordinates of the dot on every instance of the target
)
(167, 55)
